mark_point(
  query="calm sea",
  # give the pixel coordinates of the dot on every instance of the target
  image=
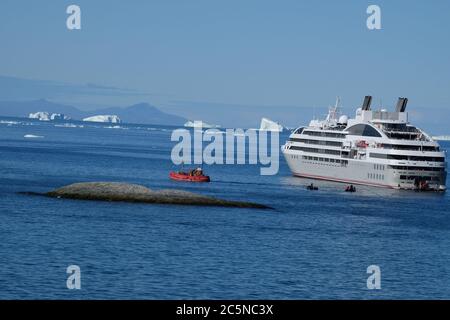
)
(312, 245)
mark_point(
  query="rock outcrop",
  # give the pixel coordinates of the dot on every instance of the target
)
(115, 191)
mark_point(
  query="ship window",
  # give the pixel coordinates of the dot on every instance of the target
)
(409, 147)
(317, 142)
(315, 150)
(363, 130)
(405, 157)
(324, 134)
(438, 169)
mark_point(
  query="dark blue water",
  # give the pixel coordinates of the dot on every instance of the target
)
(312, 245)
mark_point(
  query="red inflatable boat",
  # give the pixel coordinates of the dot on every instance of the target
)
(185, 176)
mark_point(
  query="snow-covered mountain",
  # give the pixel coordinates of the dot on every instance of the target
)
(142, 113)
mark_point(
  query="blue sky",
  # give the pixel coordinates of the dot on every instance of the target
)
(234, 53)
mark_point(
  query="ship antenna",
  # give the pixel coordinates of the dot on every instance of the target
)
(338, 100)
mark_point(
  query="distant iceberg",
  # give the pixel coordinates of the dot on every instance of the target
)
(116, 127)
(441, 138)
(68, 125)
(47, 116)
(200, 124)
(32, 136)
(269, 125)
(9, 123)
(104, 118)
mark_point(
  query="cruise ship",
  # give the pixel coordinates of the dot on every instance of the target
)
(377, 148)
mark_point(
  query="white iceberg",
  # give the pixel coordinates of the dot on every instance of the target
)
(441, 138)
(103, 118)
(68, 125)
(269, 125)
(9, 123)
(200, 124)
(32, 136)
(47, 116)
(116, 127)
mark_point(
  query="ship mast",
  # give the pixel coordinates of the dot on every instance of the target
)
(333, 111)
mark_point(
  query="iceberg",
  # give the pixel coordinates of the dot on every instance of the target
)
(9, 123)
(68, 125)
(104, 118)
(32, 136)
(269, 125)
(441, 138)
(200, 124)
(47, 116)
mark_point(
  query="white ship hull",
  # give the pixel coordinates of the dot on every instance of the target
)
(359, 172)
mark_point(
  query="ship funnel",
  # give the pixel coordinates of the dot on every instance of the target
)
(366, 103)
(401, 104)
